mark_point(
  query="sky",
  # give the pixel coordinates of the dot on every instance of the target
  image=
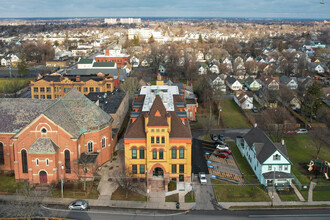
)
(166, 8)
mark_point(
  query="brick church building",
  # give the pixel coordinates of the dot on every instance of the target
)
(40, 140)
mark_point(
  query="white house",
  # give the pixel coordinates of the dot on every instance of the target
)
(214, 69)
(145, 63)
(290, 82)
(252, 84)
(228, 64)
(244, 100)
(218, 82)
(161, 69)
(200, 56)
(319, 69)
(135, 62)
(202, 70)
(233, 83)
(269, 161)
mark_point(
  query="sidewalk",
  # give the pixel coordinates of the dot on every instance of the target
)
(227, 205)
(109, 203)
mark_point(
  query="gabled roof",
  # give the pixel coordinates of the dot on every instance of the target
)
(157, 113)
(264, 146)
(76, 114)
(249, 80)
(231, 80)
(43, 145)
(16, 113)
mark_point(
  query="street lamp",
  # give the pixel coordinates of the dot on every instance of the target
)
(62, 167)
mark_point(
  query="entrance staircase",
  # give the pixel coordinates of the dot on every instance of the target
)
(157, 185)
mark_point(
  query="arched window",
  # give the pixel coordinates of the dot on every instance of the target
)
(2, 155)
(173, 153)
(103, 142)
(24, 161)
(161, 154)
(37, 162)
(134, 153)
(154, 154)
(142, 153)
(47, 162)
(181, 153)
(90, 146)
(67, 161)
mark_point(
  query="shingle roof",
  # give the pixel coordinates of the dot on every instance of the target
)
(85, 61)
(43, 145)
(88, 158)
(136, 129)
(264, 146)
(278, 175)
(157, 114)
(104, 64)
(16, 113)
(76, 114)
(108, 101)
(178, 129)
(231, 80)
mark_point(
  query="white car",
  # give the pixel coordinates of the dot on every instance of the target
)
(202, 178)
(301, 131)
(222, 147)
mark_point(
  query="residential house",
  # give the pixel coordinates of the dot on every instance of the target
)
(145, 63)
(228, 64)
(134, 61)
(271, 83)
(244, 100)
(252, 84)
(202, 70)
(217, 82)
(290, 82)
(214, 69)
(269, 161)
(161, 69)
(233, 83)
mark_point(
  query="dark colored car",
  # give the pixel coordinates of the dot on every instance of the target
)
(221, 155)
(255, 110)
(214, 137)
(221, 137)
(221, 143)
(79, 205)
(225, 151)
(288, 132)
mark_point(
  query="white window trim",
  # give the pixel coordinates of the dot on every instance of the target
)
(92, 146)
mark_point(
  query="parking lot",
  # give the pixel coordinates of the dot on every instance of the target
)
(221, 168)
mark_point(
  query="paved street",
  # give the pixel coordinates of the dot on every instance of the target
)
(205, 198)
(228, 133)
(121, 214)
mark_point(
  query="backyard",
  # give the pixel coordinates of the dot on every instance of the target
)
(14, 84)
(231, 115)
(251, 191)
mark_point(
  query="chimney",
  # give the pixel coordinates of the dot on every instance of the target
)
(282, 142)
(77, 78)
(107, 53)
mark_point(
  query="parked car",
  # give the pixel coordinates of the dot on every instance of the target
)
(214, 137)
(254, 109)
(288, 132)
(222, 147)
(221, 155)
(221, 137)
(202, 178)
(79, 205)
(301, 131)
(225, 151)
(221, 143)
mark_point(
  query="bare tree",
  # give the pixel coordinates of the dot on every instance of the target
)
(26, 204)
(126, 180)
(320, 138)
(130, 85)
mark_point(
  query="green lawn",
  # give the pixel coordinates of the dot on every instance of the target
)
(228, 192)
(232, 116)
(8, 184)
(172, 185)
(120, 194)
(172, 198)
(288, 197)
(14, 84)
(322, 191)
(252, 191)
(75, 190)
(189, 197)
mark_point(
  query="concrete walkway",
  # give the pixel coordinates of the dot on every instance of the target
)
(301, 198)
(274, 194)
(268, 204)
(310, 191)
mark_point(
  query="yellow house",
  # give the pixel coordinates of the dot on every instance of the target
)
(56, 86)
(158, 146)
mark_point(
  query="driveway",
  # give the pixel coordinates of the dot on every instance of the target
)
(205, 197)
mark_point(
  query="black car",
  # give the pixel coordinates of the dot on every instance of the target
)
(214, 137)
(221, 143)
(221, 137)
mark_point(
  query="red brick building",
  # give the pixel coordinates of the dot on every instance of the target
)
(120, 59)
(40, 139)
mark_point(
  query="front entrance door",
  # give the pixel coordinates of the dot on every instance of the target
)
(43, 177)
(158, 172)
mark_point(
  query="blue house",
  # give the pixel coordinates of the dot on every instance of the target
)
(269, 161)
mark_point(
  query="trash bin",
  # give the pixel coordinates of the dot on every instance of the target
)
(177, 205)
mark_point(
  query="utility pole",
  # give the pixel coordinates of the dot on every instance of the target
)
(62, 181)
(273, 187)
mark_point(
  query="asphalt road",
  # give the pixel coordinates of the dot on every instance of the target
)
(121, 214)
(228, 133)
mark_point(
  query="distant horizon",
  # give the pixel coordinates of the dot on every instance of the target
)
(167, 17)
(289, 9)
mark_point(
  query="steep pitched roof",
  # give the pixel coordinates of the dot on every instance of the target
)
(76, 114)
(16, 113)
(43, 145)
(178, 129)
(157, 113)
(264, 146)
(136, 129)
